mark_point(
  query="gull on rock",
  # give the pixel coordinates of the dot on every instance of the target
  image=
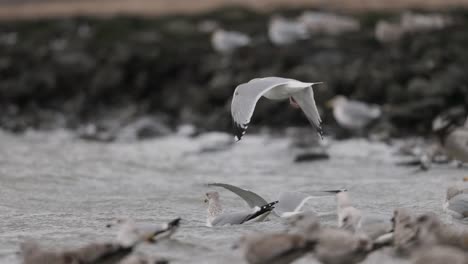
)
(282, 31)
(353, 115)
(225, 42)
(246, 96)
(276, 248)
(354, 220)
(319, 22)
(452, 137)
(216, 216)
(456, 202)
(334, 245)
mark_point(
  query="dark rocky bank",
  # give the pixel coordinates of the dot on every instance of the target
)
(115, 71)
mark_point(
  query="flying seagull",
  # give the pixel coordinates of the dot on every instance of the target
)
(247, 95)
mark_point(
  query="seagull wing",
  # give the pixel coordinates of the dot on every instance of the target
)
(305, 99)
(292, 202)
(251, 198)
(246, 97)
(242, 217)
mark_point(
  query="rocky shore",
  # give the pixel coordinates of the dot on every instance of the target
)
(105, 74)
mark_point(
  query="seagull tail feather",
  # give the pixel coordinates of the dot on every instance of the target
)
(264, 209)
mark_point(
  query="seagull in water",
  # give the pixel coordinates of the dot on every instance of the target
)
(353, 115)
(289, 203)
(216, 216)
(225, 42)
(456, 202)
(247, 95)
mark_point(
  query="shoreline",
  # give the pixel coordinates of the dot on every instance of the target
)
(59, 9)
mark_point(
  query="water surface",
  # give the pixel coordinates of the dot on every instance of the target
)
(62, 191)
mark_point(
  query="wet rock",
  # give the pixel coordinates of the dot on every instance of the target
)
(80, 67)
(143, 128)
(311, 156)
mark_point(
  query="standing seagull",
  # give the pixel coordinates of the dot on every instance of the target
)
(216, 216)
(452, 137)
(353, 115)
(456, 202)
(352, 219)
(247, 95)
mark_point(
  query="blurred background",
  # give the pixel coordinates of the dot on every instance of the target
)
(121, 71)
(96, 67)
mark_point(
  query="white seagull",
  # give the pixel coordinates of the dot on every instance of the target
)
(456, 202)
(352, 219)
(225, 42)
(247, 95)
(353, 115)
(453, 138)
(282, 31)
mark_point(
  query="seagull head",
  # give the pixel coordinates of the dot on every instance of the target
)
(211, 196)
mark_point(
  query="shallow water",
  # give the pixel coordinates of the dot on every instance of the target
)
(62, 191)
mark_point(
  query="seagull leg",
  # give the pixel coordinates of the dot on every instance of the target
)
(293, 103)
